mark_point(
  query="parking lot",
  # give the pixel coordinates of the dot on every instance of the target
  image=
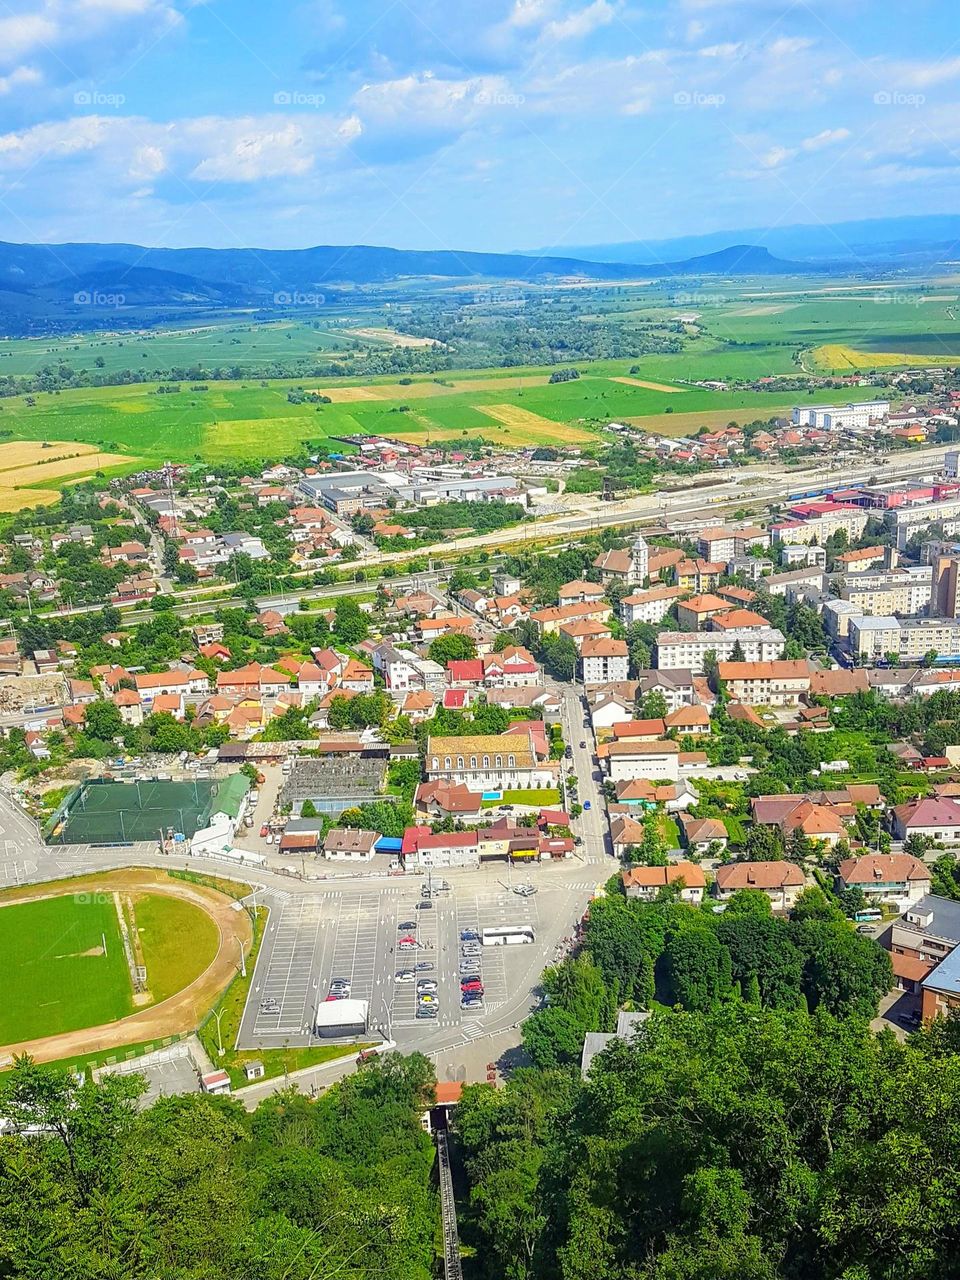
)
(353, 935)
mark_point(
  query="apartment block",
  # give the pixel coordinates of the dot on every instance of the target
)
(689, 649)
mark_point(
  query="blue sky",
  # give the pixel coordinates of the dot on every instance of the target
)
(475, 124)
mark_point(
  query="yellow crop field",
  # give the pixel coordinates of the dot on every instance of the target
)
(395, 339)
(17, 499)
(531, 428)
(833, 358)
(650, 386)
(23, 453)
(40, 472)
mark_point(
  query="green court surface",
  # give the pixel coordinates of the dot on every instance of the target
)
(56, 976)
(119, 812)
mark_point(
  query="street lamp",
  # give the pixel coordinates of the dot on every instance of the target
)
(243, 959)
(218, 1014)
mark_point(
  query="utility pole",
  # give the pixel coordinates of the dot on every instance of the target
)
(243, 960)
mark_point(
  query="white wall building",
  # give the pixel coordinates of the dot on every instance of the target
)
(689, 649)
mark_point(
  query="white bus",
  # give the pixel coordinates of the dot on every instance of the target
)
(507, 935)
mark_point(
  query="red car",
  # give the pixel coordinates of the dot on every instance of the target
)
(472, 984)
(264, 830)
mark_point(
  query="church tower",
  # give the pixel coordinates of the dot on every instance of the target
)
(639, 561)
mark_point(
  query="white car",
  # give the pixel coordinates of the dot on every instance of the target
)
(404, 975)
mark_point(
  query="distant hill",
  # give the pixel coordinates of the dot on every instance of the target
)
(71, 283)
(912, 240)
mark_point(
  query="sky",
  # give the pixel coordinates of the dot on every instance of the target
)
(470, 124)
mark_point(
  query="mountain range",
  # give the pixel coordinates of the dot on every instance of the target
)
(76, 283)
(914, 240)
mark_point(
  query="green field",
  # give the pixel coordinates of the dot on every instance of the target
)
(163, 923)
(237, 421)
(229, 343)
(743, 330)
(56, 977)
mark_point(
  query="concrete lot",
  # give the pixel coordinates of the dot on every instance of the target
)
(351, 931)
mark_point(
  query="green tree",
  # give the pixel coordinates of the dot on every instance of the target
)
(452, 648)
(102, 720)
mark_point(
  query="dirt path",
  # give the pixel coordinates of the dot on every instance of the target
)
(181, 1012)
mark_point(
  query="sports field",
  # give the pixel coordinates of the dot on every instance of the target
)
(64, 994)
(119, 812)
(56, 975)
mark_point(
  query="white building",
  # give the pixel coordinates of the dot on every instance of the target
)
(604, 661)
(689, 649)
(648, 606)
(628, 759)
(832, 417)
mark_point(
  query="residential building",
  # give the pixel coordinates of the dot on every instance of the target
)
(697, 610)
(647, 882)
(488, 763)
(703, 835)
(675, 685)
(910, 639)
(346, 844)
(580, 592)
(831, 417)
(689, 649)
(782, 882)
(722, 543)
(604, 661)
(896, 591)
(781, 683)
(651, 606)
(631, 758)
(936, 819)
(895, 878)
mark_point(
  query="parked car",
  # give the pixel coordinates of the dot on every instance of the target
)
(426, 997)
(264, 830)
(583, 742)
(470, 1000)
(407, 926)
(425, 905)
(469, 935)
(470, 949)
(471, 984)
(427, 1011)
(586, 804)
(423, 966)
(404, 975)
(426, 985)
(524, 890)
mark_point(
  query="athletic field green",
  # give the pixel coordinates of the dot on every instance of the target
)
(56, 976)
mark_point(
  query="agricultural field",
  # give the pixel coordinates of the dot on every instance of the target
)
(228, 343)
(742, 330)
(30, 472)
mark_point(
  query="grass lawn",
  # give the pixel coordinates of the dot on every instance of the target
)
(165, 925)
(56, 976)
(670, 832)
(545, 798)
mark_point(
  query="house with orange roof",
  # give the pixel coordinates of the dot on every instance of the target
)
(128, 703)
(168, 703)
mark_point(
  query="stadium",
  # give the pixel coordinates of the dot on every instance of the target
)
(105, 813)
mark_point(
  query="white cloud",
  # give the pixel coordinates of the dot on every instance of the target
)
(825, 138)
(582, 22)
(20, 78)
(787, 46)
(731, 49)
(23, 34)
(775, 156)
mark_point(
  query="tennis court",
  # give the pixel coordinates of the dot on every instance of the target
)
(120, 812)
